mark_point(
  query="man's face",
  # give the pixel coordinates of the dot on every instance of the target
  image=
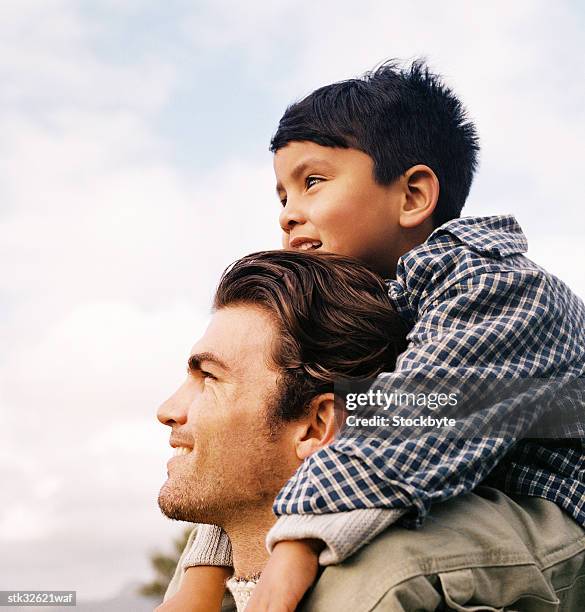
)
(329, 195)
(227, 461)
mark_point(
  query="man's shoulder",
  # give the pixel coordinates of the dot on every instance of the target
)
(487, 539)
(360, 581)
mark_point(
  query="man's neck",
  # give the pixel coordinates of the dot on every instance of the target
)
(247, 534)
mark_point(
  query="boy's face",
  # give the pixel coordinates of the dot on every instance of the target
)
(332, 203)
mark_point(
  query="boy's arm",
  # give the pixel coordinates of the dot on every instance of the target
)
(202, 590)
(204, 566)
(300, 543)
(340, 533)
(495, 324)
(503, 323)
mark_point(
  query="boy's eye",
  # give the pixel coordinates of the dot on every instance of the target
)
(312, 180)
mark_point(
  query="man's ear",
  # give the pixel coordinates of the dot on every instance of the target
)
(318, 428)
(422, 194)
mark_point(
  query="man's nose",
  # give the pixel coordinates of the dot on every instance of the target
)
(174, 410)
(292, 214)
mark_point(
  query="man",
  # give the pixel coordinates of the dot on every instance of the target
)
(259, 400)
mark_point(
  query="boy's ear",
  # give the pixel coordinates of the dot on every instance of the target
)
(421, 188)
(320, 426)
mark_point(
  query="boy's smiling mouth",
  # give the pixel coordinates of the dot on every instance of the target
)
(305, 244)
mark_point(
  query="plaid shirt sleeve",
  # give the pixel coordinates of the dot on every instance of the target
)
(476, 303)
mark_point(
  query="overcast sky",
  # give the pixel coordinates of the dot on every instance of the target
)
(134, 167)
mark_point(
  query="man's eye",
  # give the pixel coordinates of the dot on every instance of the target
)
(283, 201)
(312, 180)
(200, 374)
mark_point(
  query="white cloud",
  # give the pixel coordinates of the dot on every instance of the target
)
(47, 61)
(22, 521)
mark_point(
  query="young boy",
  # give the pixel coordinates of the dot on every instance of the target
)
(379, 168)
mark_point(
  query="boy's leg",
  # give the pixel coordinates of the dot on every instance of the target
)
(482, 551)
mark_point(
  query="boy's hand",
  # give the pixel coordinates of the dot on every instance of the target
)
(290, 571)
(202, 590)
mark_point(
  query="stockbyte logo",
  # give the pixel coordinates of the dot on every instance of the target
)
(399, 421)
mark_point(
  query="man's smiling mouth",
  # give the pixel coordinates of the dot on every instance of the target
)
(181, 450)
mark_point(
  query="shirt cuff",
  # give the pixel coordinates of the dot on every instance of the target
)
(342, 532)
(211, 546)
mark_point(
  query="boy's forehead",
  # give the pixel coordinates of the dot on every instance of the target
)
(292, 159)
(302, 150)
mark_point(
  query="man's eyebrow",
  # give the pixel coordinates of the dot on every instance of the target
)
(195, 361)
(302, 166)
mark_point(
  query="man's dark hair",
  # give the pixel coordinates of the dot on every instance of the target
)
(400, 117)
(334, 319)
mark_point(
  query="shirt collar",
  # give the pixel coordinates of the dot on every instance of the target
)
(497, 236)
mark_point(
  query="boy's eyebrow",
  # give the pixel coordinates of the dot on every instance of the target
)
(195, 361)
(302, 166)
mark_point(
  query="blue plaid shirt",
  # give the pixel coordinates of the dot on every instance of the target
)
(475, 302)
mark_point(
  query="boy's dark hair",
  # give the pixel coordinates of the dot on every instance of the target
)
(400, 117)
(334, 319)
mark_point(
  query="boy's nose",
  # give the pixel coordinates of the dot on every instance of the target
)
(291, 215)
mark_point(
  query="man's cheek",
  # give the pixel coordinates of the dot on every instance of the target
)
(233, 436)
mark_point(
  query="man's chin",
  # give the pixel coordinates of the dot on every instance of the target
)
(178, 507)
(173, 506)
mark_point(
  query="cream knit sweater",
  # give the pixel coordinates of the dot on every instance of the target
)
(241, 590)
